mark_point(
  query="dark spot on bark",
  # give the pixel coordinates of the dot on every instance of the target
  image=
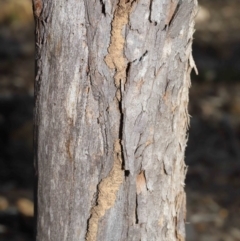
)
(126, 173)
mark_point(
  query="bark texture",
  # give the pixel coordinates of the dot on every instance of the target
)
(111, 96)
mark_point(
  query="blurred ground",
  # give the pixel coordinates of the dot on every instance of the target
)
(213, 153)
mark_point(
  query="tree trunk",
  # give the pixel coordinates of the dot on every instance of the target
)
(111, 96)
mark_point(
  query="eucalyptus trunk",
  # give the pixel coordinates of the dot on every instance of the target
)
(111, 99)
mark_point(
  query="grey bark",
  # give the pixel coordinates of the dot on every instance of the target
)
(111, 96)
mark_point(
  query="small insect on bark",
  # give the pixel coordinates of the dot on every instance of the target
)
(37, 7)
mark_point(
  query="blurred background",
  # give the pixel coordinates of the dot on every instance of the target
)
(213, 152)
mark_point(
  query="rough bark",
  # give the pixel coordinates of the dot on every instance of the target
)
(111, 96)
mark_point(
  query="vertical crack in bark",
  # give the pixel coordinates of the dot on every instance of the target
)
(103, 7)
(109, 186)
(115, 58)
(150, 11)
(136, 210)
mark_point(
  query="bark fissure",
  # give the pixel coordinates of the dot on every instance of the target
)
(136, 211)
(109, 186)
(150, 11)
(121, 133)
(103, 7)
(116, 59)
(144, 55)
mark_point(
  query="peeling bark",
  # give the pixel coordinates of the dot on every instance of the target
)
(111, 96)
